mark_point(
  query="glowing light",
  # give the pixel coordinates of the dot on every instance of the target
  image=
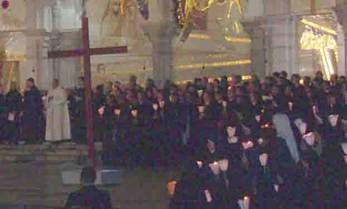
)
(230, 78)
(184, 14)
(246, 77)
(226, 38)
(319, 27)
(199, 36)
(238, 40)
(215, 64)
(5, 55)
(325, 63)
(309, 41)
(5, 4)
(171, 187)
(185, 9)
(202, 8)
(322, 43)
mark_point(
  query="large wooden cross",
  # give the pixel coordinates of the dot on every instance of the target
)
(86, 52)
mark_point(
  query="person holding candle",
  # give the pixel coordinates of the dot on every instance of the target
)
(265, 183)
(333, 163)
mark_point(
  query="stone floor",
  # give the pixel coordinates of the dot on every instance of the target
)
(37, 181)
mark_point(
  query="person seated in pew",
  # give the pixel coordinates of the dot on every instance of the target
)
(88, 196)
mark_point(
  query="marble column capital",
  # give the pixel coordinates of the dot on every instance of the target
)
(341, 11)
(254, 28)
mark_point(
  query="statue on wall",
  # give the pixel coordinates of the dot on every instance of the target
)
(231, 22)
(120, 20)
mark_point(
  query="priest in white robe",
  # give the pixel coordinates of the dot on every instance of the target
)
(57, 117)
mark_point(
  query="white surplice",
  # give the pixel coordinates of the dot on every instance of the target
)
(57, 118)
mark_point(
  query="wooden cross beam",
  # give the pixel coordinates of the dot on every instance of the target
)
(86, 52)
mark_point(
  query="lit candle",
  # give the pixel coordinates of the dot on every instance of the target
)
(246, 201)
(134, 113)
(200, 92)
(290, 104)
(315, 109)
(155, 107)
(201, 109)
(199, 163)
(101, 110)
(208, 196)
(117, 112)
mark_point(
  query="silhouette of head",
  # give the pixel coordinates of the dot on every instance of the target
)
(88, 176)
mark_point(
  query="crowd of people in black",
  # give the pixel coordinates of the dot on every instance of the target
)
(278, 142)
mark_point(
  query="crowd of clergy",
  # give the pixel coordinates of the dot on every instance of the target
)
(279, 142)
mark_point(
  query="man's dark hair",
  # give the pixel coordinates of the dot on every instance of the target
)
(284, 74)
(31, 80)
(88, 175)
(276, 74)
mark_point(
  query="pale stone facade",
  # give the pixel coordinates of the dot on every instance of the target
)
(155, 46)
(276, 31)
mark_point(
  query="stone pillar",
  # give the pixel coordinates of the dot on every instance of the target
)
(161, 37)
(257, 35)
(341, 43)
(67, 70)
(341, 14)
(282, 44)
(33, 65)
(161, 30)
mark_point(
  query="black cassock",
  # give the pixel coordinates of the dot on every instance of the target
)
(106, 123)
(310, 171)
(203, 125)
(223, 189)
(134, 135)
(14, 100)
(301, 105)
(77, 115)
(334, 169)
(99, 122)
(120, 125)
(189, 189)
(89, 197)
(3, 112)
(32, 120)
(288, 170)
(148, 145)
(14, 104)
(175, 121)
(157, 134)
(266, 196)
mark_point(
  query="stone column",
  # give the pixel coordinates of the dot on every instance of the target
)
(282, 44)
(257, 35)
(67, 70)
(161, 30)
(161, 37)
(32, 66)
(56, 38)
(341, 14)
(341, 43)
